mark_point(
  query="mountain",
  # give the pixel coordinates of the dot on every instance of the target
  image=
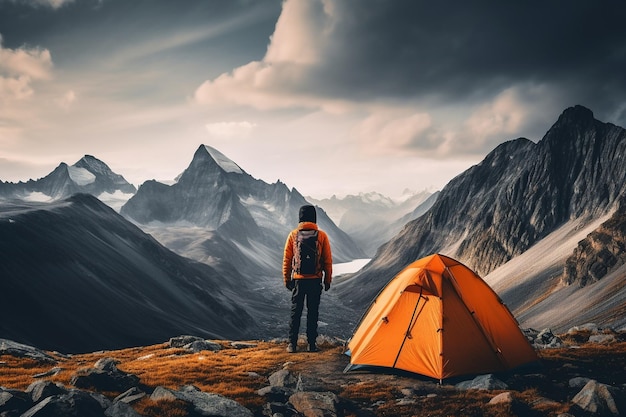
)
(216, 211)
(372, 219)
(518, 196)
(77, 276)
(88, 175)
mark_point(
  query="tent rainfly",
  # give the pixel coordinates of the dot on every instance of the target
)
(440, 319)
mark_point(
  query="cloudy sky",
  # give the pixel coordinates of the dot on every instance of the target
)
(329, 96)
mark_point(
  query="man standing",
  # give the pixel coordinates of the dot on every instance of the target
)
(307, 262)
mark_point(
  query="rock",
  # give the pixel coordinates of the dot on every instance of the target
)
(243, 345)
(503, 398)
(276, 394)
(547, 339)
(200, 345)
(204, 404)
(130, 396)
(9, 347)
(587, 327)
(602, 338)
(121, 409)
(315, 404)
(107, 364)
(104, 377)
(51, 372)
(483, 382)
(578, 382)
(283, 378)
(39, 390)
(75, 403)
(181, 341)
(596, 398)
(14, 402)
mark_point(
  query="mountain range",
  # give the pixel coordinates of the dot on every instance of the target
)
(78, 277)
(216, 210)
(372, 219)
(555, 191)
(542, 222)
(88, 175)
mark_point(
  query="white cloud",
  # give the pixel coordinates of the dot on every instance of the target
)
(67, 100)
(230, 130)
(392, 130)
(20, 67)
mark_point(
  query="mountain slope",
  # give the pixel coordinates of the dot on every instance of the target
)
(372, 219)
(519, 194)
(215, 200)
(88, 175)
(76, 276)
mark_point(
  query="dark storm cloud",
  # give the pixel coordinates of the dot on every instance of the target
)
(466, 50)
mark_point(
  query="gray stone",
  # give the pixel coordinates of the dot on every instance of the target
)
(14, 401)
(200, 345)
(104, 377)
(547, 339)
(602, 338)
(51, 372)
(75, 403)
(589, 327)
(578, 382)
(107, 364)
(596, 398)
(243, 345)
(20, 350)
(283, 378)
(181, 341)
(276, 394)
(39, 390)
(121, 409)
(315, 404)
(483, 382)
(130, 396)
(204, 404)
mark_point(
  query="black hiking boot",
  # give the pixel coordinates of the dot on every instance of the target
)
(313, 348)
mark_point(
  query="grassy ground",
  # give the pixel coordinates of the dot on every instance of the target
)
(239, 373)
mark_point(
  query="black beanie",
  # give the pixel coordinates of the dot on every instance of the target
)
(307, 214)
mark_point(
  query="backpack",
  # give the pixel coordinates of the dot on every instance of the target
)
(305, 252)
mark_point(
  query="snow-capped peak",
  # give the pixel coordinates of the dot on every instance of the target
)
(223, 161)
(80, 175)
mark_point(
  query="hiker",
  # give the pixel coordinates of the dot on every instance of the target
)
(307, 262)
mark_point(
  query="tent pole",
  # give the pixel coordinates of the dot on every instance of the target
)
(408, 330)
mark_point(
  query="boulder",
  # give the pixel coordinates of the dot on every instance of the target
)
(204, 404)
(283, 378)
(121, 409)
(596, 398)
(130, 396)
(547, 339)
(39, 390)
(75, 403)
(181, 341)
(14, 402)
(602, 338)
(200, 345)
(315, 404)
(483, 382)
(578, 382)
(104, 377)
(243, 345)
(9, 347)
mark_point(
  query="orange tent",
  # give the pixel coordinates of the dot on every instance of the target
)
(438, 318)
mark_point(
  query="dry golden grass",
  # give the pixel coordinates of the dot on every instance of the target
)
(239, 373)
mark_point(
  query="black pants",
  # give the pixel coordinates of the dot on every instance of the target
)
(311, 290)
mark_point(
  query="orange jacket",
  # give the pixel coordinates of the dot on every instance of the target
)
(325, 263)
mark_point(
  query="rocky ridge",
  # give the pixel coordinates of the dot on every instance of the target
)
(88, 175)
(313, 384)
(600, 253)
(520, 193)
